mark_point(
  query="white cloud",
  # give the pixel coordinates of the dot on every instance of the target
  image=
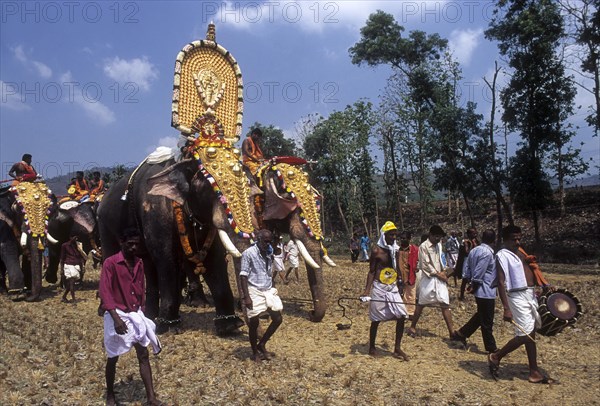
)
(169, 141)
(463, 44)
(313, 16)
(10, 97)
(42, 69)
(95, 110)
(137, 70)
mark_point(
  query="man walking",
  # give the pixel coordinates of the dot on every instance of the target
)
(480, 269)
(122, 295)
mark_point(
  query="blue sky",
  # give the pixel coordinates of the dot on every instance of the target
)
(89, 83)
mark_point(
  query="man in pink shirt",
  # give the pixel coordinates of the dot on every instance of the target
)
(122, 292)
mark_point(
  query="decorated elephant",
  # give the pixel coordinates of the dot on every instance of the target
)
(24, 209)
(292, 206)
(180, 213)
(71, 218)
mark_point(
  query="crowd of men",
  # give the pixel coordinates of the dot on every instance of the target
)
(508, 273)
(402, 280)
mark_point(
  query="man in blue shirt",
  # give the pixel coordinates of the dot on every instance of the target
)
(480, 269)
(260, 296)
(365, 246)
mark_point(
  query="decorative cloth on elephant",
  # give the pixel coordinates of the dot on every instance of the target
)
(523, 306)
(263, 300)
(432, 290)
(386, 302)
(140, 329)
(72, 271)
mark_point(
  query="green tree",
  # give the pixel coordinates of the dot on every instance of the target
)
(583, 20)
(415, 59)
(528, 33)
(343, 169)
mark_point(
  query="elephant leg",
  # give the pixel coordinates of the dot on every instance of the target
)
(53, 262)
(9, 252)
(226, 322)
(152, 297)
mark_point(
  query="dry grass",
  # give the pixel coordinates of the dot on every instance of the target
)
(51, 353)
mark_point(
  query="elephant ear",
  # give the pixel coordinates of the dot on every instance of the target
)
(172, 182)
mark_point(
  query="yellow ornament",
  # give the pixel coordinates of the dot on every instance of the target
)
(388, 276)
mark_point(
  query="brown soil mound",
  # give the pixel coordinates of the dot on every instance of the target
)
(51, 354)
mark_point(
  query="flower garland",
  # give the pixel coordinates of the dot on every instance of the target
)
(222, 199)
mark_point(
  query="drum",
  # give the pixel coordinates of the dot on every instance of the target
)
(558, 309)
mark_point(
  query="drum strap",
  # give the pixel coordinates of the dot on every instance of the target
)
(531, 260)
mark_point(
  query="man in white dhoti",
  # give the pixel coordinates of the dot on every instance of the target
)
(516, 290)
(433, 286)
(122, 295)
(382, 286)
(260, 296)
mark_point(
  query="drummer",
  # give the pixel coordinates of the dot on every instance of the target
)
(516, 291)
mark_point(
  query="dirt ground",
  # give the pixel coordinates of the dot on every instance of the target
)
(51, 354)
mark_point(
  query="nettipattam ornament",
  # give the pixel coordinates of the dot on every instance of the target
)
(34, 201)
(208, 109)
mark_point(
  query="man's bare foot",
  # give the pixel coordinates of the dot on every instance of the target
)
(65, 300)
(256, 357)
(373, 352)
(266, 354)
(400, 355)
(411, 332)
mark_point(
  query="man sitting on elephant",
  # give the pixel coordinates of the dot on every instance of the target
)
(259, 294)
(23, 171)
(252, 156)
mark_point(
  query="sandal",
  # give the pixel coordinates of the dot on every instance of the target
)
(493, 366)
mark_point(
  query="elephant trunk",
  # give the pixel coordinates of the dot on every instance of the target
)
(317, 290)
(36, 268)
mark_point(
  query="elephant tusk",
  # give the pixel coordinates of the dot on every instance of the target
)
(307, 258)
(23, 239)
(328, 260)
(51, 239)
(228, 244)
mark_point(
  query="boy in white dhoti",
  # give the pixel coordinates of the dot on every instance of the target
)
(516, 290)
(260, 296)
(433, 286)
(291, 255)
(382, 286)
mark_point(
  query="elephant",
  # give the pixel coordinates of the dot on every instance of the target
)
(69, 219)
(291, 206)
(24, 208)
(151, 195)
